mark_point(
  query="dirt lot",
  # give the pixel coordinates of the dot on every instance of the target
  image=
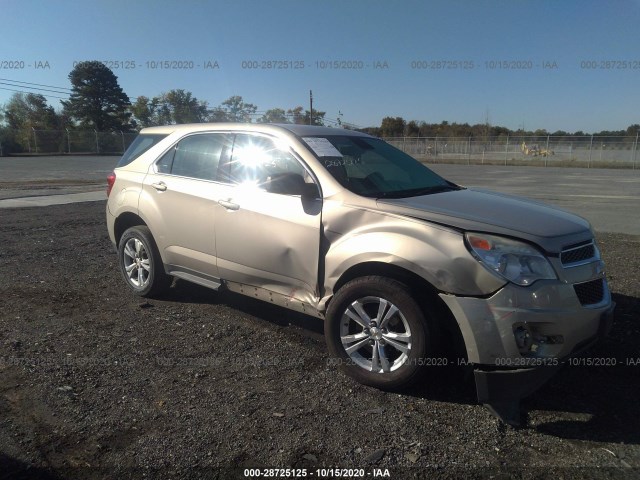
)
(97, 383)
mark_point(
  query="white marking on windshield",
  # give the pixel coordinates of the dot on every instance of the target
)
(322, 147)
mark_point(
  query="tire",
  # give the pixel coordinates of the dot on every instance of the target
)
(402, 338)
(141, 264)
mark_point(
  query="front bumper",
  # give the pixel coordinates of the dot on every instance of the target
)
(508, 383)
(558, 327)
(555, 321)
(501, 390)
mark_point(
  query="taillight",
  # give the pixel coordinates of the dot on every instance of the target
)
(111, 179)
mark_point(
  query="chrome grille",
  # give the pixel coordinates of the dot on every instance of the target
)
(578, 253)
(590, 293)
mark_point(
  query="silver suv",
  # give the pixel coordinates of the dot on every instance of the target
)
(396, 259)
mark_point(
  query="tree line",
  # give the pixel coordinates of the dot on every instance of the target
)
(399, 127)
(97, 102)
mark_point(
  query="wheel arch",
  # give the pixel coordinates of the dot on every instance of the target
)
(429, 303)
(124, 221)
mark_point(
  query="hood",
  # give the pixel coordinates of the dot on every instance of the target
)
(482, 210)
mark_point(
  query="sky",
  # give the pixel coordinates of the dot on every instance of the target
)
(556, 65)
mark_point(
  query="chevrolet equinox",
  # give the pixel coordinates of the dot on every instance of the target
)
(341, 225)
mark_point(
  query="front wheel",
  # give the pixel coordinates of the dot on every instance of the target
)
(378, 333)
(140, 262)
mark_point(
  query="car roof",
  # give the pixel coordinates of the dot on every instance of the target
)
(310, 130)
(299, 130)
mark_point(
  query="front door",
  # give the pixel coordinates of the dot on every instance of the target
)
(267, 234)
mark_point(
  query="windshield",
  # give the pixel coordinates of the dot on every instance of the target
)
(372, 168)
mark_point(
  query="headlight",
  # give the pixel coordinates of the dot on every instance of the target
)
(518, 262)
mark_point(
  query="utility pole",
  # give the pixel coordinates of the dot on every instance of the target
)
(310, 107)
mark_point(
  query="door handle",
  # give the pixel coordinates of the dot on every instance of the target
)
(228, 204)
(161, 186)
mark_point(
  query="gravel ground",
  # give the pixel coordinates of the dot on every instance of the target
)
(97, 383)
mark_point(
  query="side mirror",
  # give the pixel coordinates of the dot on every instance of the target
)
(284, 183)
(310, 191)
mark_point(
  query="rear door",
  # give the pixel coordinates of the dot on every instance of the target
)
(267, 235)
(179, 200)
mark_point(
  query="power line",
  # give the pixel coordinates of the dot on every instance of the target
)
(38, 84)
(22, 91)
(33, 88)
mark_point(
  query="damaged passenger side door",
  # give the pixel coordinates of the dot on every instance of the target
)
(268, 219)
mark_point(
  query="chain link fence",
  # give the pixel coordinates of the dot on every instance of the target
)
(583, 151)
(52, 142)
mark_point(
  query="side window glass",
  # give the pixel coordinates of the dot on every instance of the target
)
(141, 144)
(196, 156)
(259, 161)
(165, 162)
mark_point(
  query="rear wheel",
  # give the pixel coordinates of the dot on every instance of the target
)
(140, 262)
(378, 332)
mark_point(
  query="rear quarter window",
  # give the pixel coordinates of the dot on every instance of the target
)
(141, 144)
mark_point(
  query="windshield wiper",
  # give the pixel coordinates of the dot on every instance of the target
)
(416, 192)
